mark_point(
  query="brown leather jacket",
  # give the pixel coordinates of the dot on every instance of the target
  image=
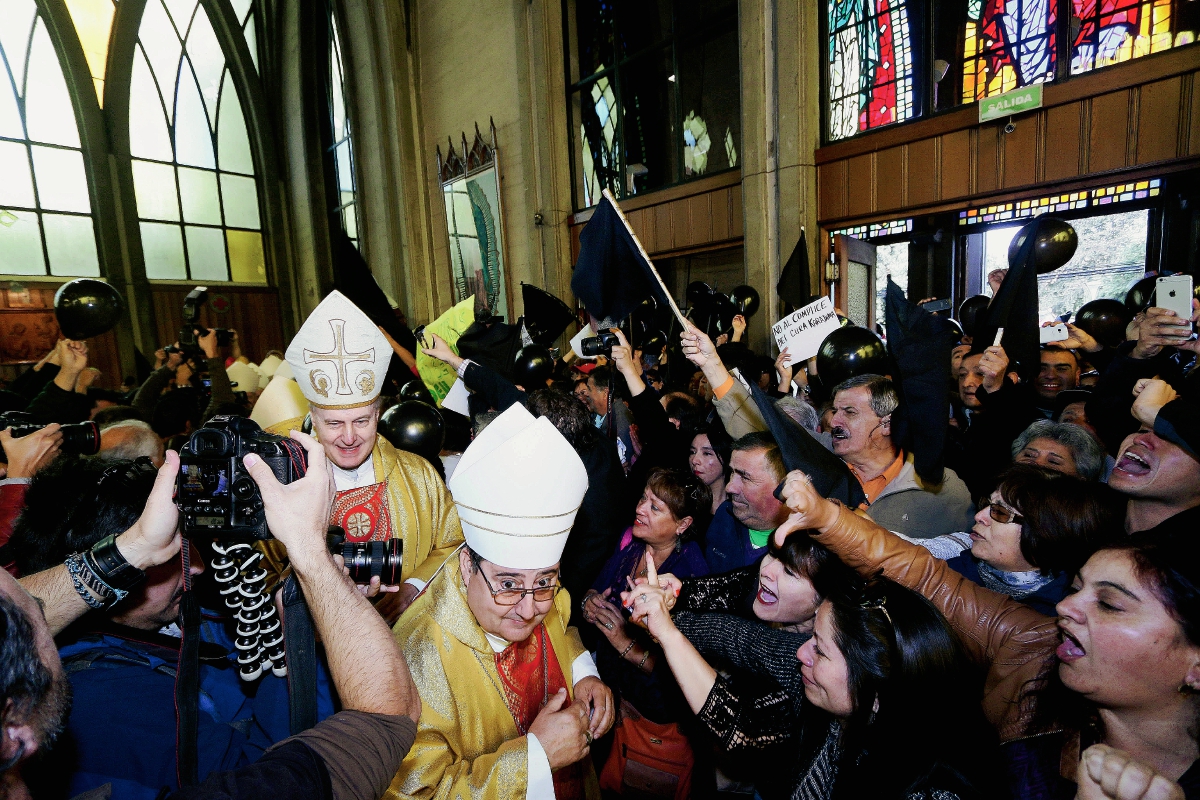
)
(1011, 639)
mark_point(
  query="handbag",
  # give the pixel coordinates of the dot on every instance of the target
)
(647, 760)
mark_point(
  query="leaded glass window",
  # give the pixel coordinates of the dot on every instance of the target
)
(193, 173)
(45, 210)
(1113, 31)
(93, 23)
(870, 65)
(1007, 44)
(343, 146)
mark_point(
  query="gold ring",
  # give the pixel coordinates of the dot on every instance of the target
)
(588, 735)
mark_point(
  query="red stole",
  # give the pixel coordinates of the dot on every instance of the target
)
(363, 513)
(530, 674)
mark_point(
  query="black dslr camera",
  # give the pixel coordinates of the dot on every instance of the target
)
(191, 325)
(81, 438)
(216, 496)
(599, 345)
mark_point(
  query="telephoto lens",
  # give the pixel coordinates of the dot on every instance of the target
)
(366, 560)
(80, 438)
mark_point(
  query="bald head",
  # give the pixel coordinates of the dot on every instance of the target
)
(129, 439)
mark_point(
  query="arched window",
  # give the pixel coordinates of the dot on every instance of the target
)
(342, 147)
(193, 174)
(45, 210)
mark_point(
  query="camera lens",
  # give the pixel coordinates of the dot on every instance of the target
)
(367, 559)
(82, 438)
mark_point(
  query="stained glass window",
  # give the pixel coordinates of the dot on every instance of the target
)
(45, 210)
(193, 174)
(598, 133)
(1112, 31)
(1007, 44)
(343, 147)
(870, 65)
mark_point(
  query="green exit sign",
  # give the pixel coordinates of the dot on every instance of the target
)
(1017, 101)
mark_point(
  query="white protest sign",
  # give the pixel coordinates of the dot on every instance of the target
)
(456, 399)
(801, 332)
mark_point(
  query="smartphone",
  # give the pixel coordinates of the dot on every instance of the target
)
(1174, 293)
(1053, 333)
(937, 305)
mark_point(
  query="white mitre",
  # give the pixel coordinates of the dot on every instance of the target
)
(339, 357)
(245, 376)
(269, 365)
(281, 400)
(517, 488)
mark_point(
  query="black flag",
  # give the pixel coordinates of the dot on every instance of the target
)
(1015, 308)
(611, 277)
(829, 474)
(793, 286)
(920, 343)
(352, 277)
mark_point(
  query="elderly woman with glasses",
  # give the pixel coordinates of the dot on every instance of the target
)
(1032, 533)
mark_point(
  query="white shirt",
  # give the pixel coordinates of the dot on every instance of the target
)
(541, 782)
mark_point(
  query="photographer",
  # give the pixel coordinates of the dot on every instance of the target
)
(353, 754)
(24, 456)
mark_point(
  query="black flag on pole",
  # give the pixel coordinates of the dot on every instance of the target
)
(793, 286)
(352, 277)
(1015, 309)
(611, 277)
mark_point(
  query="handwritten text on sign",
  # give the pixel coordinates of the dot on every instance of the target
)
(801, 332)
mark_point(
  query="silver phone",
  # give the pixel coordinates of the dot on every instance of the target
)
(1174, 293)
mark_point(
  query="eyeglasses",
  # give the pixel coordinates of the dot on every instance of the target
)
(1000, 513)
(511, 597)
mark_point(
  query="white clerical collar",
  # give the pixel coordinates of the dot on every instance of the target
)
(346, 479)
(499, 644)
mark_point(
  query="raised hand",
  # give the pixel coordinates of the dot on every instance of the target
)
(993, 365)
(697, 347)
(1160, 328)
(298, 512)
(1151, 394)
(809, 509)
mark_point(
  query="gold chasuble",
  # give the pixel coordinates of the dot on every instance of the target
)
(476, 704)
(410, 502)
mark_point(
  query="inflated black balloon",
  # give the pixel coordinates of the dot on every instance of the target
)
(86, 307)
(1053, 246)
(414, 426)
(653, 344)
(1105, 319)
(699, 294)
(849, 352)
(532, 366)
(969, 311)
(1140, 295)
(745, 299)
(416, 390)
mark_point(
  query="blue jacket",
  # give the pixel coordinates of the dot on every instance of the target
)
(727, 545)
(122, 724)
(1043, 600)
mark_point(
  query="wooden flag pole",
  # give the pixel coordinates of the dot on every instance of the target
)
(678, 314)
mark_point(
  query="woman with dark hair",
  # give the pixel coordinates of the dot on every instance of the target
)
(1120, 666)
(887, 708)
(1034, 531)
(709, 459)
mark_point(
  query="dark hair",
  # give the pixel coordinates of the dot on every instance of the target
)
(685, 408)
(761, 440)
(565, 413)
(24, 679)
(902, 655)
(173, 411)
(1048, 349)
(802, 555)
(601, 376)
(685, 496)
(107, 416)
(74, 503)
(718, 439)
(1066, 519)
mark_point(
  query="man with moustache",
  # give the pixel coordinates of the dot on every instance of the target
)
(897, 498)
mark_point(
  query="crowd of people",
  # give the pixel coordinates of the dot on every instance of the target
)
(687, 571)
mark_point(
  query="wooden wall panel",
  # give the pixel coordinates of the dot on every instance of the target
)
(1108, 139)
(662, 228)
(1193, 147)
(987, 159)
(889, 179)
(737, 221)
(699, 214)
(1020, 153)
(1158, 121)
(922, 172)
(720, 215)
(831, 189)
(860, 182)
(680, 230)
(956, 164)
(1063, 141)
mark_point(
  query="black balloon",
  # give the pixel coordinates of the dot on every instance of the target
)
(849, 352)
(86, 307)
(532, 367)
(414, 426)
(969, 311)
(653, 344)
(699, 294)
(1053, 246)
(745, 299)
(1140, 295)
(416, 390)
(1105, 319)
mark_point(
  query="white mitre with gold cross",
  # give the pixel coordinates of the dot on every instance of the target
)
(518, 487)
(339, 357)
